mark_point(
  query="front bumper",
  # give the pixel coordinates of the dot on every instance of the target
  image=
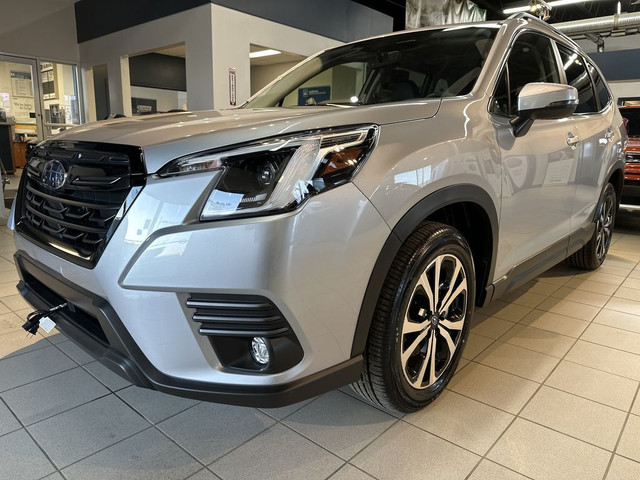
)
(314, 265)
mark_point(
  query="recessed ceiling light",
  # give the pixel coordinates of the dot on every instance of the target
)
(264, 53)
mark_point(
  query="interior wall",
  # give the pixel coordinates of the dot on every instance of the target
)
(52, 37)
(191, 27)
(246, 30)
(166, 99)
(262, 75)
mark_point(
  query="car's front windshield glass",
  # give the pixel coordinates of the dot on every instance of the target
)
(422, 64)
(633, 115)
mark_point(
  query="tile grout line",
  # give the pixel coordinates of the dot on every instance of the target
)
(517, 416)
(624, 425)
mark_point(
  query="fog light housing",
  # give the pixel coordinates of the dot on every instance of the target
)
(260, 350)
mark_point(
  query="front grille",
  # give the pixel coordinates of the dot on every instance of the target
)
(75, 218)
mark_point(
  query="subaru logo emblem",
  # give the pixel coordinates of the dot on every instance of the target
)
(54, 175)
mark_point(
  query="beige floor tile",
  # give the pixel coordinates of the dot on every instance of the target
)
(571, 327)
(542, 341)
(401, 451)
(581, 296)
(627, 293)
(4, 309)
(543, 454)
(7, 288)
(578, 417)
(19, 341)
(636, 406)
(492, 327)
(605, 359)
(541, 288)
(614, 270)
(558, 280)
(505, 311)
(518, 361)
(526, 299)
(463, 362)
(5, 266)
(587, 382)
(624, 321)
(475, 345)
(623, 469)
(635, 274)
(620, 261)
(15, 302)
(591, 286)
(493, 387)
(623, 305)
(463, 421)
(631, 283)
(8, 257)
(598, 276)
(488, 470)
(10, 322)
(612, 337)
(569, 309)
(629, 445)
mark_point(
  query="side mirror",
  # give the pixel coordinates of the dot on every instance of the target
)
(543, 101)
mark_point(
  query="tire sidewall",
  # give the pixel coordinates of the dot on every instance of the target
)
(447, 241)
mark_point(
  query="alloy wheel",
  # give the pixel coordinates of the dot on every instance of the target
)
(433, 321)
(604, 224)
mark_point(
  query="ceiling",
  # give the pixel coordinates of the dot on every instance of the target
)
(578, 11)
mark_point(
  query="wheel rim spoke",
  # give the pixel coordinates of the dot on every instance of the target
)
(414, 345)
(424, 283)
(454, 279)
(434, 320)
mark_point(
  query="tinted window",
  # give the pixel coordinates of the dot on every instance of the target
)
(633, 116)
(577, 76)
(601, 90)
(531, 60)
(432, 63)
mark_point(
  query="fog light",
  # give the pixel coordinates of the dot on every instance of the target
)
(260, 350)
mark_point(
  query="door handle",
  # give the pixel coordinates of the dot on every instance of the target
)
(572, 140)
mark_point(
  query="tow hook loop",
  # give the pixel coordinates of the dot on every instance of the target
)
(34, 318)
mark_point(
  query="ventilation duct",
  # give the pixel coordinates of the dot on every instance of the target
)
(622, 21)
(425, 13)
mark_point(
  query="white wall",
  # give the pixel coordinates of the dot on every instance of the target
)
(51, 37)
(192, 27)
(166, 99)
(261, 75)
(234, 32)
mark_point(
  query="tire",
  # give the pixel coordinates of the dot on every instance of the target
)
(411, 354)
(593, 253)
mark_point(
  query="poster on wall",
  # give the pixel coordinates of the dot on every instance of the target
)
(22, 108)
(232, 87)
(21, 84)
(313, 95)
(144, 106)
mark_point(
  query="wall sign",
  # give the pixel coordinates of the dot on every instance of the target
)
(313, 95)
(21, 85)
(232, 87)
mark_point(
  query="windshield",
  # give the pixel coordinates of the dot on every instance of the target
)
(633, 115)
(422, 64)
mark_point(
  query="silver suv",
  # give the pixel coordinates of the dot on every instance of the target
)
(339, 227)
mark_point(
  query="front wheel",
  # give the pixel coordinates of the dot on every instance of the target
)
(421, 321)
(593, 253)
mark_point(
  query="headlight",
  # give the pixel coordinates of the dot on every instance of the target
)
(277, 174)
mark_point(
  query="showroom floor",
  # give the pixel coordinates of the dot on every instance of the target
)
(548, 389)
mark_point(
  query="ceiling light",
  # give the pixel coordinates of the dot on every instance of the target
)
(556, 3)
(264, 53)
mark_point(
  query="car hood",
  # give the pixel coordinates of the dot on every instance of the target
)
(167, 136)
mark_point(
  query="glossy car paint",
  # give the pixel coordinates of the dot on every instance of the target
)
(315, 263)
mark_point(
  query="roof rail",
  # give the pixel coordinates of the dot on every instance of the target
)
(527, 16)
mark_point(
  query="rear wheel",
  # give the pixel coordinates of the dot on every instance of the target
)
(421, 322)
(593, 253)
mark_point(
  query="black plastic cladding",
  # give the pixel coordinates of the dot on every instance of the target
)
(41, 213)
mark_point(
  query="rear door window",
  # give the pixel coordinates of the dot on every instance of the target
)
(576, 72)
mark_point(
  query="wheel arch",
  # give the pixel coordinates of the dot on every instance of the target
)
(469, 209)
